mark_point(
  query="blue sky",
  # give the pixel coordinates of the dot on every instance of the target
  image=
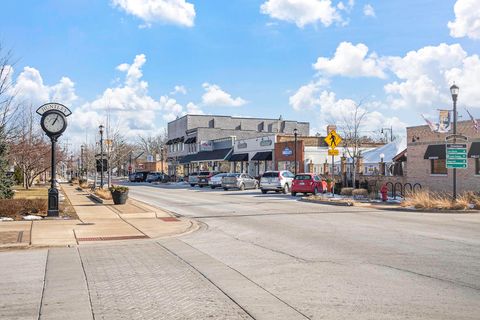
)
(244, 57)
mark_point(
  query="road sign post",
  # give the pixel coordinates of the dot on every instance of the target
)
(333, 140)
(457, 156)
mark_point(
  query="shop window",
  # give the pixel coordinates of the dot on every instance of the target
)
(438, 166)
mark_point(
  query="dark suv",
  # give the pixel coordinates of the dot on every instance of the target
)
(204, 178)
(140, 176)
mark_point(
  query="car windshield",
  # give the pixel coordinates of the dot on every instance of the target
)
(204, 173)
(236, 175)
(272, 174)
(194, 174)
(303, 177)
(220, 175)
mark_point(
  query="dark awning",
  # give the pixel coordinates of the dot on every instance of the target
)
(169, 142)
(263, 156)
(186, 159)
(474, 150)
(239, 157)
(215, 155)
(191, 140)
(436, 151)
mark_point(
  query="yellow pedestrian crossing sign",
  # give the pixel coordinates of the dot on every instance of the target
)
(333, 139)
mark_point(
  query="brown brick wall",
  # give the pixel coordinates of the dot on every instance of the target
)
(418, 139)
(278, 156)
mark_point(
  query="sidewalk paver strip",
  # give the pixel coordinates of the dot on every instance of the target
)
(145, 281)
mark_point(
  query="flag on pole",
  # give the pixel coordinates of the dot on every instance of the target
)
(433, 127)
(476, 125)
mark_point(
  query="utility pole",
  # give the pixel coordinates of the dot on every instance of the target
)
(101, 156)
(295, 132)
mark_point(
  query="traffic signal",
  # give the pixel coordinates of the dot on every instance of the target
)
(99, 165)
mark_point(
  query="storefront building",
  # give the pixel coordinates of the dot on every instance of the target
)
(212, 156)
(253, 156)
(426, 162)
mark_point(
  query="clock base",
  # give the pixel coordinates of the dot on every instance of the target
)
(52, 203)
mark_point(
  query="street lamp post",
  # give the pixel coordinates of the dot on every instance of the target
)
(161, 158)
(295, 133)
(82, 163)
(454, 91)
(101, 155)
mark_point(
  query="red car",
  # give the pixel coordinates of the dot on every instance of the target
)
(306, 183)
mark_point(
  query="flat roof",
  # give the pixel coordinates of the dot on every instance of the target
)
(233, 117)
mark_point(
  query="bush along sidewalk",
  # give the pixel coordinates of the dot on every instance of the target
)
(119, 194)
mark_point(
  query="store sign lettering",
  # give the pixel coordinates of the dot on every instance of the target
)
(266, 142)
(287, 151)
(242, 145)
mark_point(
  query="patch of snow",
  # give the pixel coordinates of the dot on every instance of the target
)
(32, 217)
(5, 219)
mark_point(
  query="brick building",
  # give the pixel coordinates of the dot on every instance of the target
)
(426, 159)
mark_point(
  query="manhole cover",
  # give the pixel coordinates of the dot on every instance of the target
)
(85, 224)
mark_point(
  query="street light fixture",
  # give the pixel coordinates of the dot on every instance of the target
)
(295, 133)
(454, 89)
(101, 127)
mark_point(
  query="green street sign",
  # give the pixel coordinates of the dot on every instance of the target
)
(456, 165)
(456, 155)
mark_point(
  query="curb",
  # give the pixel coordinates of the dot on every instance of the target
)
(401, 209)
(331, 203)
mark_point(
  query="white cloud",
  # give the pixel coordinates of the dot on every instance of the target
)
(302, 12)
(346, 7)
(214, 96)
(193, 109)
(368, 10)
(179, 12)
(30, 89)
(179, 89)
(467, 19)
(426, 74)
(351, 61)
(306, 97)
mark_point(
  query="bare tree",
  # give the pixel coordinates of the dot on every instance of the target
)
(351, 127)
(8, 107)
(153, 145)
(30, 151)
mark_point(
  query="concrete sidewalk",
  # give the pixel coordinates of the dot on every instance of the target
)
(97, 222)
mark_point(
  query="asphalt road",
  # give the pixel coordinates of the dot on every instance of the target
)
(272, 252)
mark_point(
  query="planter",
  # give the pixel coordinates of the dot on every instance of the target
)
(119, 197)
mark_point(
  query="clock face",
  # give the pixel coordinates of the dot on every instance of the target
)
(54, 122)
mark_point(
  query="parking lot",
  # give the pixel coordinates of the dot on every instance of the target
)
(332, 262)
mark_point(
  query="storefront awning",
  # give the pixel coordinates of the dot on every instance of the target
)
(263, 156)
(215, 155)
(239, 157)
(474, 150)
(169, 142)
(436, 151)
(191, 140)
(186, 159)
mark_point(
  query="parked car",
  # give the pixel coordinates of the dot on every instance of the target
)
(306, 183)
(240, 181)
(276, 181)
(155, 177)
(204, 178)
(131, 177)
(193, 179)
(140, 176)
(216, 180)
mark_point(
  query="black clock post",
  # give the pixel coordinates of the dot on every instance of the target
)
(54, 123)
(53, 191)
